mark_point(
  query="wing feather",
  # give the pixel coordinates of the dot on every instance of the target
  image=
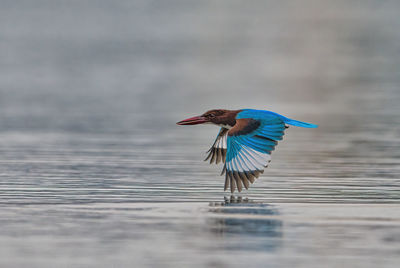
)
(248, 149)
(217, 152)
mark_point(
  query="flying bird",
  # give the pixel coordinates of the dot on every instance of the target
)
(245, 141)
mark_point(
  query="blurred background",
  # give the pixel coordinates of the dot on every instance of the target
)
(95, 66)
(90, 91)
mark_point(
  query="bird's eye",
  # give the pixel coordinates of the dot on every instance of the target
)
(211, 115)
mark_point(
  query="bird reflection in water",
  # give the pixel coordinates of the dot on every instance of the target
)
(246, 225)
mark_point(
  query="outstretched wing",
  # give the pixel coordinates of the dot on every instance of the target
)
(249, 146)
(217, 151)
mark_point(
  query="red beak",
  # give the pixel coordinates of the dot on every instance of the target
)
(193, 121)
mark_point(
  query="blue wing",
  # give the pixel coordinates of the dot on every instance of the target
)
(250, 143)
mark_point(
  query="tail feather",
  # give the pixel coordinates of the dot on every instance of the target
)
(299, 123)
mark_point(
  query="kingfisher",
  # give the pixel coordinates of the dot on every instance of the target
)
(245, 141)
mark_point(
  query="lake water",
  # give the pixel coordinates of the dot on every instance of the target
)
(95, 172)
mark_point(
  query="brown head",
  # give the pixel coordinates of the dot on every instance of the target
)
(218, 117)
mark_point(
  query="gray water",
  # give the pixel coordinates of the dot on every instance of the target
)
(95, 173)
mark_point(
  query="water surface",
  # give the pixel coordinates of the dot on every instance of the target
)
(95, 173)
